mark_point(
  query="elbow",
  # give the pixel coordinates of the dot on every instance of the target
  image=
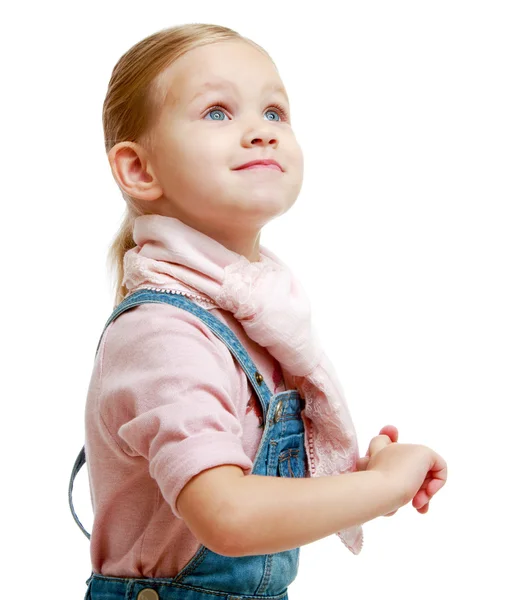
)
(227, 537)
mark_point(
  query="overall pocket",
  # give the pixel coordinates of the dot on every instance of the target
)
(289, 463)
(287, 456)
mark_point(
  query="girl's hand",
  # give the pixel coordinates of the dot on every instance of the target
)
(392, 434)
(388, 435)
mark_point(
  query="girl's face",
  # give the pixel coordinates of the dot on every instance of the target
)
(221, 112)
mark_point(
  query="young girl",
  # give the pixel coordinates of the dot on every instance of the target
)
(218, 439)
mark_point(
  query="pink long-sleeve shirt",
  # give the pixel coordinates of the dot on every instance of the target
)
(166, 401)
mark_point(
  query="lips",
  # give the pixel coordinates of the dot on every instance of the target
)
(263, 162)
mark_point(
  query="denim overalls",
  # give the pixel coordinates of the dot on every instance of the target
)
(281, 453)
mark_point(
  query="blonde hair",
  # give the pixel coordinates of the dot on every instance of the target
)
(132, 104)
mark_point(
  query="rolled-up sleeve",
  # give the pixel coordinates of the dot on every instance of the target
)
(168, 395)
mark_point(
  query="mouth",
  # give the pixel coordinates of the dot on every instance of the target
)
(260, 164)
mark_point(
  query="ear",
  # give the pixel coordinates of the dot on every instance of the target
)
(133, 171)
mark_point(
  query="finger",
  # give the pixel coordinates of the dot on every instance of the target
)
(424, 509)
(434, 485)
(377, 443)
(362, 463)
(431, 485)
(420, 499)
(391, 431)
(438, 470)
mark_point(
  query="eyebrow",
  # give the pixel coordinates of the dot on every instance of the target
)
(220, 84)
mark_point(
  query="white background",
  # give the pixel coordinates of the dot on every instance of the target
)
(399, 236)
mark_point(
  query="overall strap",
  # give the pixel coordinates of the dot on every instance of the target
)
(228, 337)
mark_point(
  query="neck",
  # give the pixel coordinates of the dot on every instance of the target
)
(242, 242)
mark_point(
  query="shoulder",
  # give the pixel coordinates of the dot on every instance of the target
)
(156, 334)
(151, 317)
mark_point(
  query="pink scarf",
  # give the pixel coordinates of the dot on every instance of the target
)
(269, 302)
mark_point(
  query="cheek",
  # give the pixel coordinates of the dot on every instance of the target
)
(296, 164)
(291, 148)
(185, 164)
(201, 169)
(298, 155)
(300, 161)
(205, 153)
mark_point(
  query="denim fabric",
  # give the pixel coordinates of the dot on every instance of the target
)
(281, 453)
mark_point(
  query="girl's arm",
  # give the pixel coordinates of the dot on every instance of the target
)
(238, 515)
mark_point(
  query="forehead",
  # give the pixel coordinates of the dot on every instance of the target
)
(230, 66)
(219, 83)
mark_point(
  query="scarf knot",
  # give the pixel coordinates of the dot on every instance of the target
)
(240, 279)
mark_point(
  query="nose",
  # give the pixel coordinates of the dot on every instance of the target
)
(261, 135)
(264, 140)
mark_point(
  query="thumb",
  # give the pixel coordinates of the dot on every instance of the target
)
(377, 443)
(362, 463)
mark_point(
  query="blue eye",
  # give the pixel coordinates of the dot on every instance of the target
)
(215, 110)
(218, 108)
(272, 111)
